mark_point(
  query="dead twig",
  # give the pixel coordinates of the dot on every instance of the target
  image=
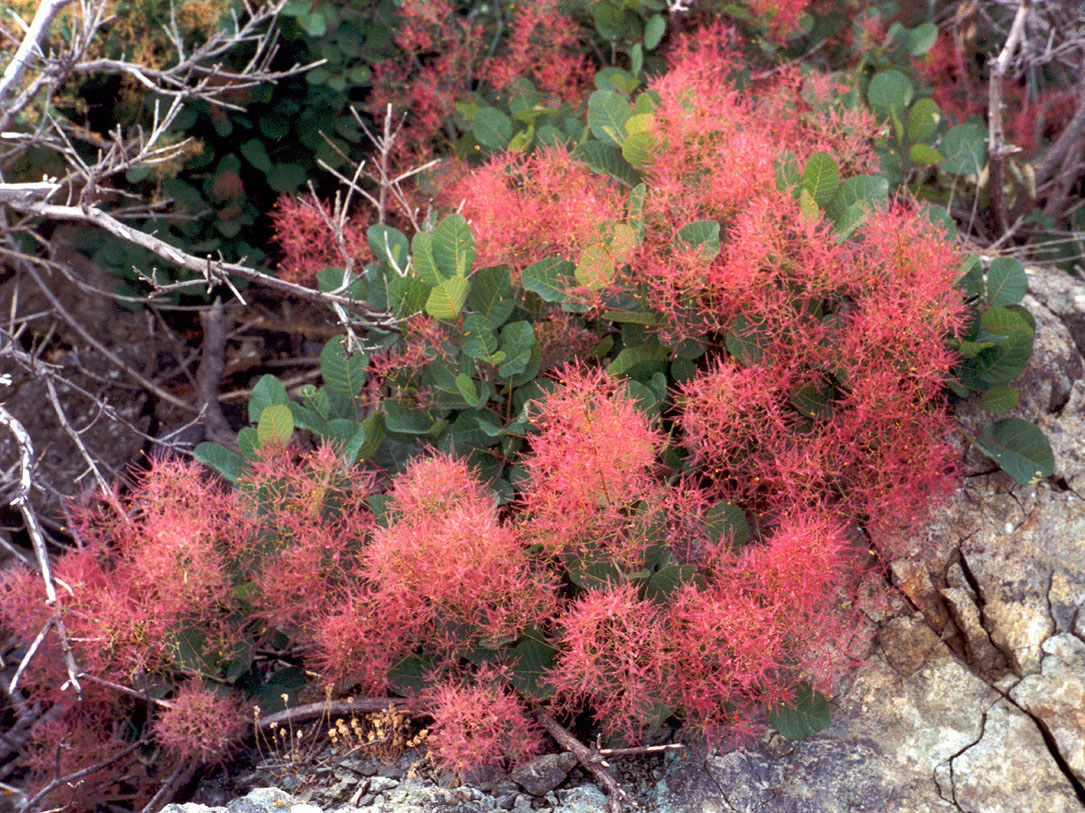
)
(314, 711)
(21, 501)
(176, 780)
(60, 781)
(590, 758)
(997, 150)
(209, 373)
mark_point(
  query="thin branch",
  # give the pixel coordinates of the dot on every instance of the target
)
(30, 46)
(60, 781)
(177, 779)
(105, 351)
(209, 373)
(996, 146)
(358, 705)
(591, 759)
(117, 687)
(211, 270)
(29, 655)
(21, 501)
(640, 749)
(76, 439)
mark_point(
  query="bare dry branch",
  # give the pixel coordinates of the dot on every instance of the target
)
(213, 271)
(21, 501)
(996, 145)
(591, 759)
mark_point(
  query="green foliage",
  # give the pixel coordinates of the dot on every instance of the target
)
(994, 351)
(1019, 448)
(807, 714)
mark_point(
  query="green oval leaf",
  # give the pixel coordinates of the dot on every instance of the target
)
(286, 178)
(248, 442)
(389, 246)
(596, 267)
(1000, 399)
(406, 420)
(407, 295)
(479, 340)
(703, 235)
(466, 386)
(228, 463)
(372, 435)
(821, 177)
(447, 299)
(965, 149)
(453, 246)
(725, 520)
(889, 93)
(922, 38)
(1007, 282)
(630, 357)
(640, 148)
(532, 659)
(924, 154)
(343, 374)
(276, 425)
(268, 390)
(491, 294)
(422, 259)
(607, 159)
(492, 128)
(607, 114)
(654, 30)
(807, 714)
(256, 154)
(1020, 449)
(550, 278)
(923, 120)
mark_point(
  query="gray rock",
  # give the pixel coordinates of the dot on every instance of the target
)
(981, 652)
(1056, 696)
(542, 775)
(379, 784)
(1004, 772)
(1064, 297)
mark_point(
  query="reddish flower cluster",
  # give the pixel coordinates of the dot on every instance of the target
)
(305, 238)
(592, 461)
(446, 575)
(310, 521)
(849, 337)
(717, 651)
(201, 725)
(543, 45)
(567, 201)
(478, 724)
(443, 55)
